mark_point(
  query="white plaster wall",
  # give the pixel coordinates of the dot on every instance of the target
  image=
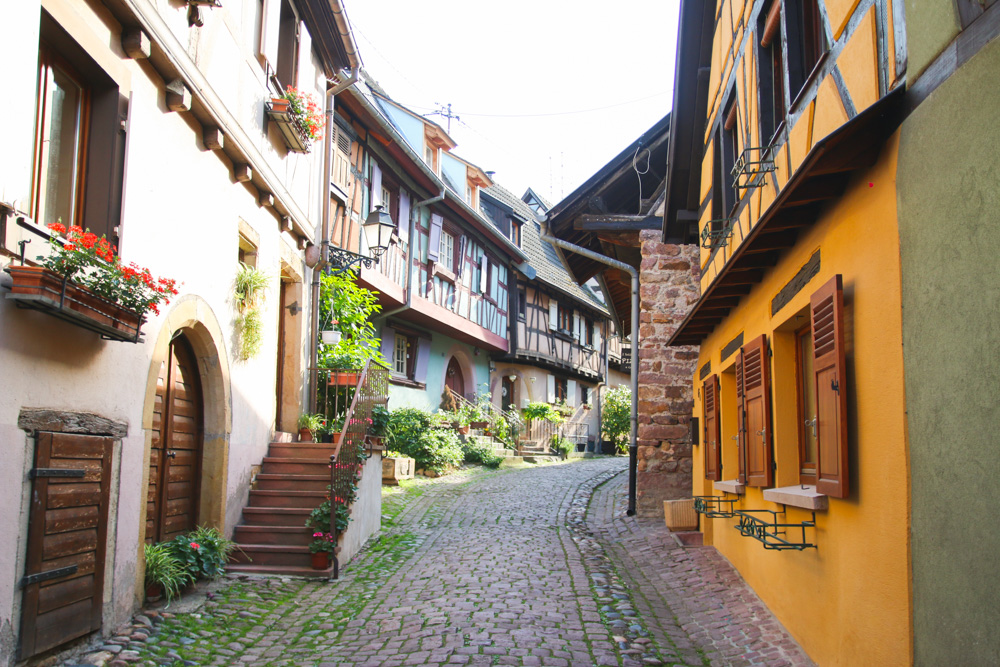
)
(180, 218)
(366, 516)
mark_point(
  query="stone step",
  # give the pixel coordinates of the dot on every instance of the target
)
(277, 516)
(306, 572)
(272, 555)
(290, 499)
(302, 450)
(298, 536)
(286, 482)
(273, 465)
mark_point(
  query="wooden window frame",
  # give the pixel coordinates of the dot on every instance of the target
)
(562, 389)
(807, 468)
(446, 250)
(564, 320)
(515, 232)
(288, 46)
(771, 97)
(522, 305)
(805, 42)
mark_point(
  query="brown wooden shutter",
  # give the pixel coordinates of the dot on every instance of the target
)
(757, 400)
(67, 538)
(713, 462)
(741, 417)
(827, 313)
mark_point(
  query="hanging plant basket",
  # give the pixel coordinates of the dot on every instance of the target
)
(41, 289)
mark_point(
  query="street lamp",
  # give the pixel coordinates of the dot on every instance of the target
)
(378, 228)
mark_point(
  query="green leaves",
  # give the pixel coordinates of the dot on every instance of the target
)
(349, 308)
(616, 421)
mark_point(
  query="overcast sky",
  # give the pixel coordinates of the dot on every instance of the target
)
(547, 91)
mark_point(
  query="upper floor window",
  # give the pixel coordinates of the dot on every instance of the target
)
(400, 365)
(565, 318)
(806, 42)
(59, 147)
(588, 332)
(515, 233)
(288, 46)
(447, 250)
(522, 305)
(771, 92)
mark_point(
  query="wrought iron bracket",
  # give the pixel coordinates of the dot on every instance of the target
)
(750, 167)
(717, 238)
(763, 526)
(714, 507)
(342, 260)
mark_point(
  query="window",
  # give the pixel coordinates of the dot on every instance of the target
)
(565, 323)
(588, 332)
(386, 199)
(562, 390)
(446, 251)
(78, 156)
(59, 150)
(248, 250)
(584, 395)
(288, 46)
(771, 92)
(806, 42)
(522, 305)
(468, 195)
(515, 233)
(806, 405)
(401, 356)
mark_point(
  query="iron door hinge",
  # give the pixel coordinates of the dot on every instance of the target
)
(29, 579)
(35, 473)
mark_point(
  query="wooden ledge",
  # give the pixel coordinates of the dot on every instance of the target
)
(803, 496)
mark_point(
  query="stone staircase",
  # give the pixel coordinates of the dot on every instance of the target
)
(272, 536)
(495, 445)
(536, 452)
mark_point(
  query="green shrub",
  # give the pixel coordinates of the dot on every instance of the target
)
(616, 417)
(476, 451)
(561, 445)
(410, 433)
(203, 553)
(534, 411)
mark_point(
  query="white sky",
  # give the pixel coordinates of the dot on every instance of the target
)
(513, 69)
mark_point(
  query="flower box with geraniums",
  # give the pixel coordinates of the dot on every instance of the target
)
(83, 282)
(299, 118)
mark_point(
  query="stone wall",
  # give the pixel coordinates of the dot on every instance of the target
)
(668, 287)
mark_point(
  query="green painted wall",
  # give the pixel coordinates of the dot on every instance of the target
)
(930, 25)
(949, 217)
(476, 369)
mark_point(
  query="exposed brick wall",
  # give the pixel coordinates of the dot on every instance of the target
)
(668, 287)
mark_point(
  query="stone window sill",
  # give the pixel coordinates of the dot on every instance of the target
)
(803, 496)
(406, 382)
(730, 486)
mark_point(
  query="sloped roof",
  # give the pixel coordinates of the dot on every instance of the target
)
(530, 192)
(542, 256)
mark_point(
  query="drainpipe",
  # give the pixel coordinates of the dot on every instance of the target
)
(331, 93)
(414, 216)
(634, 417)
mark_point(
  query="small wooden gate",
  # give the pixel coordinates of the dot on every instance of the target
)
(67, 537)
(175, 455)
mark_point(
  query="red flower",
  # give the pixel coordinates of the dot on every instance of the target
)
(195, 545)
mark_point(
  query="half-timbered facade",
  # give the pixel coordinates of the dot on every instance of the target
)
(133, 123)
(782, 167)
(559, 331)
(444, 282)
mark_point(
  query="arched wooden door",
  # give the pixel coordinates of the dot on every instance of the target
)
(453, 378)
(175, 458)
(508, 400)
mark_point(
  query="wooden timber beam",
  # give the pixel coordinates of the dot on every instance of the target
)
(818, 189)
(603, 222)
(628, 239)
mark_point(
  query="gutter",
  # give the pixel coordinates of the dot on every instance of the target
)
(634, 379)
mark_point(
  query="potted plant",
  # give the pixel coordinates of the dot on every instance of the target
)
(165, 574)
(309, 424)
(321, 547)
(299, 118)
(562, 446)
(379, 427)
(82, 277)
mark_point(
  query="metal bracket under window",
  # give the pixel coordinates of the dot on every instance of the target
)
(763, 526)
(750, 167)
(714, 507)
(718, 237)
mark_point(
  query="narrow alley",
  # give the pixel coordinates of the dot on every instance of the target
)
(528, 566)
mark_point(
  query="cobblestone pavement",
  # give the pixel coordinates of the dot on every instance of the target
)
(531, 566)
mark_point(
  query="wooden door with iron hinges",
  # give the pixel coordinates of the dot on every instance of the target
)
(63, 584)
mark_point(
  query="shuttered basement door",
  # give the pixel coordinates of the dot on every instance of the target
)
(67, 535)
(175, 456)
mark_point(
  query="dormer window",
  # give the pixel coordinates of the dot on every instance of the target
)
(515, 232)
(429, 156)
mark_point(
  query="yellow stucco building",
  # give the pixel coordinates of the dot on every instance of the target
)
(784, 143)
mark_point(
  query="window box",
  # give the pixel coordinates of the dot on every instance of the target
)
(344, 378)
(804, 496)
(280, 112)
(39, 288)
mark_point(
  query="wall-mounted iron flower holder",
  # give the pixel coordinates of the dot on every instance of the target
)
(763, 526)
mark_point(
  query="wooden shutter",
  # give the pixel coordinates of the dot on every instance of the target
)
(741, 417)
(389, 347)
(404, 216)
(553, 314)
(376, 187)
(551, 388)
(423, 357)
(68, 532)
(460, 266)
(270, 29)
(484, 285)
(710, 404)
(434, 241)
(576, 328)
(571, 393)
(829, 367)
(757, 420)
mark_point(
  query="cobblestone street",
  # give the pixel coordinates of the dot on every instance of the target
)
(529, 566)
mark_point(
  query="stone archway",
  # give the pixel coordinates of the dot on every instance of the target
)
(192, 318)
(454, 377)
